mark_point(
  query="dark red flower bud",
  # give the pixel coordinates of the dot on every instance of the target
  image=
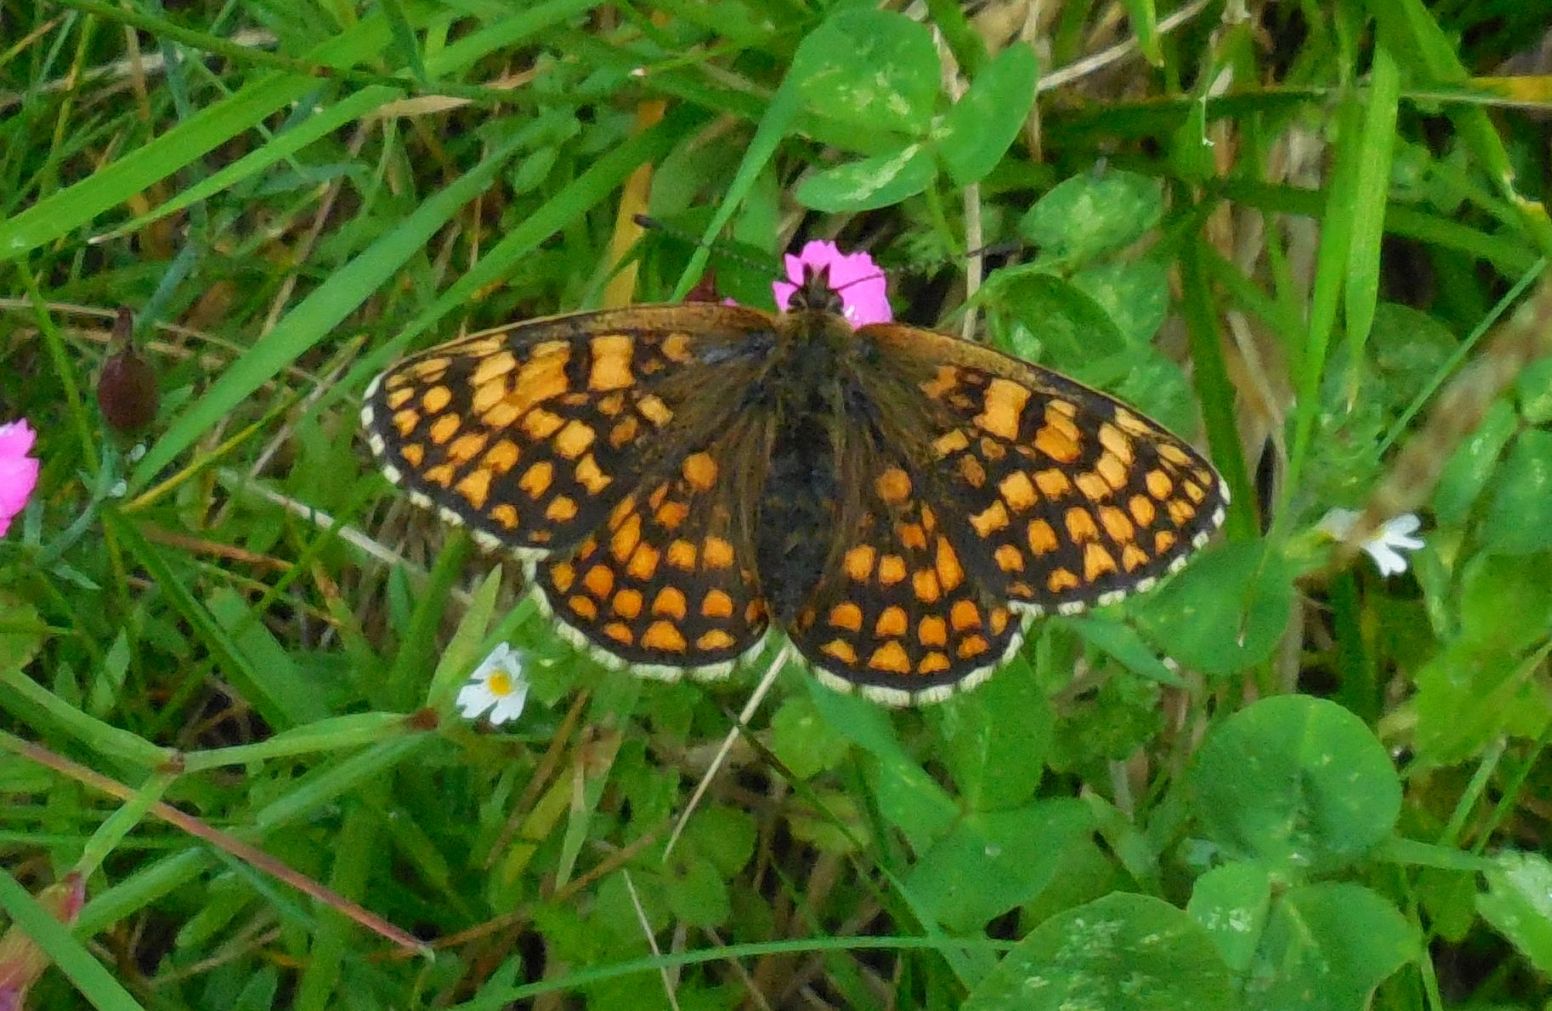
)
(126, 390)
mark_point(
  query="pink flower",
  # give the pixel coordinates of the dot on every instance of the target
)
(853, 276)
(18, 471)
(21, 960)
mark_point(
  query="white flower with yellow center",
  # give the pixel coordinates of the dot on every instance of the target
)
(497, 685)
(1387, 544)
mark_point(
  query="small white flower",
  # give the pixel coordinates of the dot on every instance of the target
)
(497, 684)
(1387, 544)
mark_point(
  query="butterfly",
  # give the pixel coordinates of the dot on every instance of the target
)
(680, 480)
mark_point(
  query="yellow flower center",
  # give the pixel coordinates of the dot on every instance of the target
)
(499, 684)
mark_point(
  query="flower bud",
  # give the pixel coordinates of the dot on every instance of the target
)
(126, 390)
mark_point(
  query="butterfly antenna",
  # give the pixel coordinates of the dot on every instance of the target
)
(652, 224)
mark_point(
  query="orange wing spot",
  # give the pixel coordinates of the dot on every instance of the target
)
(1092, 486)
(990, 520)
(890, 657)
(925, 583)
(1131, 424)
(999, 620)
(933, 663)
(964, 614)
(858, 562)
(625, 538)
(891, 622)
(1133, 558)
(436, 398)
(563, 575)
(643, 562)
(1174, 454)
(398, 398)
(893, 486)
(670, 601)
(599, 581)
(503, 414)
(611, 367)
(716, 553)
(716, 604)
(715, 639)
(1080, 525)
(700, 470)
(572, 440)
(847, 616)
(539, 424)
(992, 449)
(932, 631)
(1008, 558)
(953, 442)
(1142, 510)
(676, 347)
(1066, 408)
(972, 471)
(1002, 405)
(619, 632)
(611, 405)
(972, 645)
(945, 380)
(431, 369)
(664, 636)
(1062, 579)
(671, 514)
(583, 607)
(1163, 541)
(492, 367)
(414, 454)
(1061, 419)
(950, 572)
(1115, 442)
(1112, 470)
(488, 395)
(502, 457)
(562, 510)
(891, 569)
(1053, 483)
(1116, 524)
(505, 515)
(1159, 485)
(1096, 562)
(841, 650)
(1018, 491)
(406, 420)
(1180, 511)
(681, 555)
(475, 487)
(1042, 539)
(1056, 444)
(912, 535)
(467, 446)
(1193, 491)
(754, 610)
(627, 603)
(441, 474)
(444, 428)
(590, 477)
(624, 432)
(654, 410)
(536, 480)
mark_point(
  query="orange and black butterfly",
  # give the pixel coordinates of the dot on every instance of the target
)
(681, 479)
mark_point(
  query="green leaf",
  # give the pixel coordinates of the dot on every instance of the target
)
(1518, 903)
(804, 742)
(995, 738)
(21, 632)
(1534, 389)
(1505, 601)
(696, 891)
(1044, 318)
(1135, 295)
(1297, 783)
(994, 861)
(1519, 515)
(868, 183)
(1232, 903)
(1121, 953)
(1469, 697)
(977, 131)
(1473, 464)
(1090, 214)
(1225, 612)
(1325, 948)
(869, 69)
(1120, 640)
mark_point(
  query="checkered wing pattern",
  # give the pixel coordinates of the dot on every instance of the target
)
(531, 435)
(668, 584)
(1074, 499)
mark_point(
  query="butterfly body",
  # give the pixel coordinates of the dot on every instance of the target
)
(681, 479)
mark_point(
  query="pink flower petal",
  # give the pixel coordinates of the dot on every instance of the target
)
(18, 471)
(863, 289)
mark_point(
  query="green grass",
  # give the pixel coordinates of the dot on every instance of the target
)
(1311, 241)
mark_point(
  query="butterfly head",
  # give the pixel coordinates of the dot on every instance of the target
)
(816, 293)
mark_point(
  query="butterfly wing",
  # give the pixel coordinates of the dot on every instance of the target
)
(1072, 498)
(531, 434)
